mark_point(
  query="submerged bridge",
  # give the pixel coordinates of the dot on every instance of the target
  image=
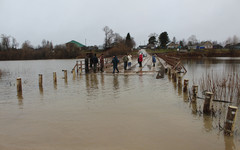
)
(163, 63)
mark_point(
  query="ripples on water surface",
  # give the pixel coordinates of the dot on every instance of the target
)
(105, 111)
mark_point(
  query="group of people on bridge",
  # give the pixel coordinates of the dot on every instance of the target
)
(91, 62)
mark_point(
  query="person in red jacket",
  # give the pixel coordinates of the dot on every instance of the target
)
(140, 59)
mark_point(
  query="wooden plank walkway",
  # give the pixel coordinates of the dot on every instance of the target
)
(147, 67)
(162, 62)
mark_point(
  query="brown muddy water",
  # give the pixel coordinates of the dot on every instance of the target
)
(106, 111)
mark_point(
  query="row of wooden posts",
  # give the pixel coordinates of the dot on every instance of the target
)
(232, 110)
(77, 67)
(40, 81)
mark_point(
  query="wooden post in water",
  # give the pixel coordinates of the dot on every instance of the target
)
(74, 73)
(174, 76)
(19, 85)
(169, 72)
(81, 66)
(179, 81)
(207, 103)
(76, 66)
(166, 70)
(40, 80)
(195, 91)
(230, 120)
(185, 86)
(54, 77)
(65, 74)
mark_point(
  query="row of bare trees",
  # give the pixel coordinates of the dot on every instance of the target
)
(9, 50)
(115, 44)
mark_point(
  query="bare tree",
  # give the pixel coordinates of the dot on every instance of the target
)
(109, 35)
(117, 38)
(232, 40)
(153, 34)
(228, 41)
(14, 43)
(235, 40)
(44, 43)
(27, 45)
(5, 42)
(174, 40)
(192, 39)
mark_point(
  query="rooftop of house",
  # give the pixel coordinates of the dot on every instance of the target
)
(76, 43)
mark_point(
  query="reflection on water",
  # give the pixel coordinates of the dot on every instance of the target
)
(194, 108)
(185, 96)
(229, 143)
(20, 98)
(102, 79)
(55, 86)
(179, 89)
(115, 83)
(106, 111)
(41, 89)
(208, 122)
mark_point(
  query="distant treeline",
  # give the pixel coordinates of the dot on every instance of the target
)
(114, 44)
(9, 50)
(59, 52)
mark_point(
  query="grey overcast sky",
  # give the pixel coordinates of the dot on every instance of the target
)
(60, 21)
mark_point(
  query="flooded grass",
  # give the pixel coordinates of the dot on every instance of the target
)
(225, 86)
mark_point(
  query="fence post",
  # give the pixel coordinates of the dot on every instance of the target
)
(77, 66)
(19, 85)
(169, 72)
(179, 81)
(54, 77)
(65, 74)
(207, 103)
(230, 120)
(74, 73)
(185, 88)
(195, 91)
(40, 80)
(174, 76)
(81, 66)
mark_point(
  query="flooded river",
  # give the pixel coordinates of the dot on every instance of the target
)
(105, 111)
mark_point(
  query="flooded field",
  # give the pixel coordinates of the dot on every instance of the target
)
(105, 111)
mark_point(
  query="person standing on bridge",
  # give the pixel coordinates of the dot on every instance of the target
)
(129, 61)
(153, 60)
(101, 62)
(140, 59)
(125, 61)
(95, 61)
(115, 62)
(86, 63)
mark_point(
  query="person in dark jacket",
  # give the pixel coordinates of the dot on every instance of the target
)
(86, 63)
(95, 61)
(115, 62)
(91, 60)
